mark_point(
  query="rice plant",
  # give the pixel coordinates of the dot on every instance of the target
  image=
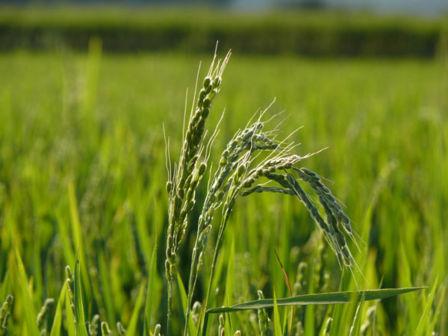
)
(255, 160)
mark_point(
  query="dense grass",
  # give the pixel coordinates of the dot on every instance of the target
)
(82, 176)
(310, 33)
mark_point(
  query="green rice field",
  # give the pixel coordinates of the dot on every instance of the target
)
(83, 175)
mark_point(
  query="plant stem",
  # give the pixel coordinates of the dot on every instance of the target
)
(192, 278)
(212, 271)
(169, 305)
(218, 244)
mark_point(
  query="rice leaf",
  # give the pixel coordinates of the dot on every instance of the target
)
(132, 328)
(77, 237)
(106, 287)
(70, 321)
(79, 305)
(322, 298)
(25, 294)
(184, 301)
(149, 301)
(424, 319)
(277, 325)
(56, 327)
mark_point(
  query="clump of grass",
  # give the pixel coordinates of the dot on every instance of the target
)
(254, 161)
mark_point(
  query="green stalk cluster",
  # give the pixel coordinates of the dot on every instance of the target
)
(185, 179)
(249, 157)
(182, 187)
(227, 181)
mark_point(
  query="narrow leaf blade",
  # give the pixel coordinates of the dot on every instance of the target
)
(322, 298)
(57, 321)
(277, 325)
(132, 328)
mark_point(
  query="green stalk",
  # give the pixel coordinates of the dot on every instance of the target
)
(192, 278)
(219, 240)
(169, 306)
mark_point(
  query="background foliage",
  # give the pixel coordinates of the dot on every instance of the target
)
(306, 33)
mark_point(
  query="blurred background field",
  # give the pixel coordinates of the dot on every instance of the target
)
(309, 33)
(83, 96)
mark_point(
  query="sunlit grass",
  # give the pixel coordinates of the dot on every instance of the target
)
(82, 176)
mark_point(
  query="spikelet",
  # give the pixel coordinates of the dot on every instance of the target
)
(94, 325)
(221, 325)
(263, 318)
(157, 330)
(44, 311)
(5, 313)
(105, 330)
(121, 330)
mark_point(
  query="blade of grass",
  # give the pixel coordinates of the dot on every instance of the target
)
(438, 309)
(310, 310)
(424, 319)
(184, 302)
(132, 327)
(323, 298)
(356, 323)
(65, 236)
(4, 285)
(78, 239)
(291, 309)
(105, 288)
(152, 275)
(56, 327)
(229, 280)
(277, 323)
(29, 318)
(70, 321)
(79, 305)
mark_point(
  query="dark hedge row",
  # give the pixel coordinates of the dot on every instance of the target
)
(304, 33)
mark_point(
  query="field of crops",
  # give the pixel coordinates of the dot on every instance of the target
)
(83, 177)
(310, 33)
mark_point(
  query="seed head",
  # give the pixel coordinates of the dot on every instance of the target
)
(217, 82)
(207, 82)
(105, 330)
